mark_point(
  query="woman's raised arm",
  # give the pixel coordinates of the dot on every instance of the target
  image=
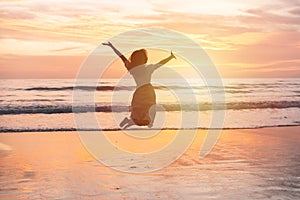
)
(164, 61)
(124, 59)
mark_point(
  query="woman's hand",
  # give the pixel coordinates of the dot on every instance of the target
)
(107, 44)
(172, 55)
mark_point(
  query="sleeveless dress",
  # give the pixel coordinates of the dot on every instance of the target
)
(144, 96)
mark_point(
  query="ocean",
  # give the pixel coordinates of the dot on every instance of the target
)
(38, 105)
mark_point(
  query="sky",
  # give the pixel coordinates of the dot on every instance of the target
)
(245, 39)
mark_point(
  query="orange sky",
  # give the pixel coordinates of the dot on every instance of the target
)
(245, 39)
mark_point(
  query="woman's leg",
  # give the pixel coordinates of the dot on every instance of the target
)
(123, 122)
(129, 123)
(152, 113)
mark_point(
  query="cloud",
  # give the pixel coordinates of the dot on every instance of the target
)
(261, 16)
(33, 47)
(295, 11)
(253, 33)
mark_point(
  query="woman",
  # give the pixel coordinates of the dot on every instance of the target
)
(144, 96)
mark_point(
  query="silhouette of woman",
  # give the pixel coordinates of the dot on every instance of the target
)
(144, 96)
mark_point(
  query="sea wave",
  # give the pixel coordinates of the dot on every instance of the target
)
(230, 89)
(88, 88)
(67, 108)
(102, 88)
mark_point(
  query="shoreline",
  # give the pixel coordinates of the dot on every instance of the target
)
(138, 129)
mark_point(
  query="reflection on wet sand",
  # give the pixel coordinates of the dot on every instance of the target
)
(248, 164)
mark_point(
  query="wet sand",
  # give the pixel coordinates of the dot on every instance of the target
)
(245, 164)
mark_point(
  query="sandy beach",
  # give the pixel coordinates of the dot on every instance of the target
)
(245, 164)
